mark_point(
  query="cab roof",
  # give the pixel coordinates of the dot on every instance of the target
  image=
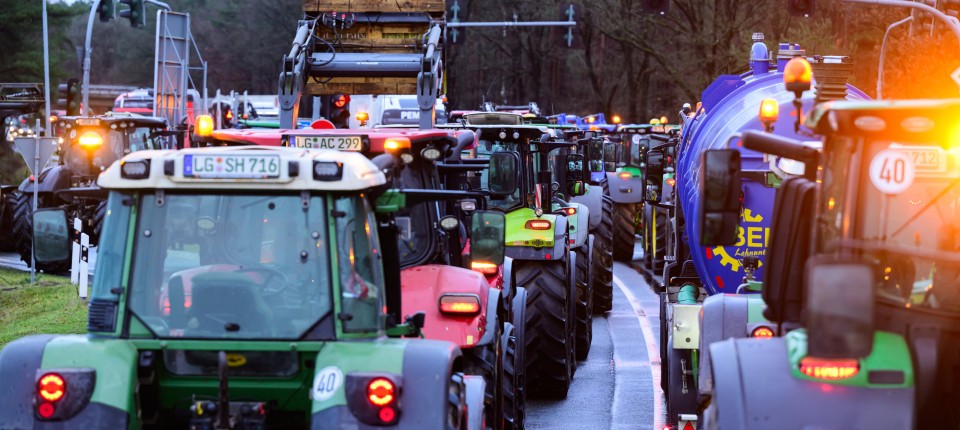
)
(376, 137)
(111, 118)
(910, 120)
(167, 170)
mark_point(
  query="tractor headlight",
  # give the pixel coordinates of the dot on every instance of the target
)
(135, 169)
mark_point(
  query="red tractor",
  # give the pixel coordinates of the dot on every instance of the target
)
(463, 297)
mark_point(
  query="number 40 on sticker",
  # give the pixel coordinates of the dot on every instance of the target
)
(891, 171)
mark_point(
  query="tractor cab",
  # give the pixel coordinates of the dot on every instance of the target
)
(874, 288)
(243, 287)
(91, 144)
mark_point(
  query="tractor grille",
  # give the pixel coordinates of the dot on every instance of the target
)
(102, 315)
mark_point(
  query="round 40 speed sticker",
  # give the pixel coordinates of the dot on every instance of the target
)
(891, 171)
(326, 383)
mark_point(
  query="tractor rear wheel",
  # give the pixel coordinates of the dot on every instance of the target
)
(23, 235)
(584, 307)
(98, 216)
(548, 344)
(512, 397)
(483, 361)
(8, 202)
(602, 261)
(623, 231)
(658, 238)
(515, 364)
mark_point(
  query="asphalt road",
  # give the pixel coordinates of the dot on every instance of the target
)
(618, 387)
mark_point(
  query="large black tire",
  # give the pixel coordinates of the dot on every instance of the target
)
(677, 400)
(602, 261)
(98, 216)
(23, 235)
(548, 348)
(8, 202)
(483, 361)
(658, 238)
(623, 231)
(584, 303)
(514, 404)
(515, 408)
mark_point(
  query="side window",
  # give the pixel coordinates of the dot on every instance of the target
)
(359, 264)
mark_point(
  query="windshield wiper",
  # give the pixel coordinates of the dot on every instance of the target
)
(928, 206)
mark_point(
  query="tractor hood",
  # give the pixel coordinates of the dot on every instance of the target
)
(424, 286)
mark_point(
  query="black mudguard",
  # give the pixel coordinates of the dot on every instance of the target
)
(493, 310)
(52, 179)
(427, 369)
(754, 389)
(624, 191)
(723, 316)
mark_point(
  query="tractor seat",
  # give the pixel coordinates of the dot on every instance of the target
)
(223, 301)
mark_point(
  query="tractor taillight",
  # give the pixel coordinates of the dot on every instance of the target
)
(380, 392)
(625, 175)
(461, 304)
(830, 369)
(484, 267)
(538, 224)
(51, 387)
(762, 332)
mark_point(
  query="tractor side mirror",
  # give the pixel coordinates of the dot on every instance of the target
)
(502, 174)
(719, 196)
(610, 156)
(574, 175)
(51, 235)
(487, 236)
(653, 168)
(840, 294)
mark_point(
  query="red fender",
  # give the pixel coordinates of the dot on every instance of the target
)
(422, 287)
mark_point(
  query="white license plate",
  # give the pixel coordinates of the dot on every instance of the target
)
(232, 166)
(88, 121)
(926, 158)
(339, 143)
(657, 129)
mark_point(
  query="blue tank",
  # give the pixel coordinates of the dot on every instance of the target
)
(730, 105)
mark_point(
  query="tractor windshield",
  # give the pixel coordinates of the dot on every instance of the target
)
(903, 214)
(631, 150)
(91, 149)
(231, 266)
(484, 149)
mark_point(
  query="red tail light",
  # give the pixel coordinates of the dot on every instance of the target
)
(538, 224)
(484, 267)
(380, 392)
(671, 181)
(830, 369)
(51, 387)
(762, 332)
(462, 304)
(625, 175)
(569, 211)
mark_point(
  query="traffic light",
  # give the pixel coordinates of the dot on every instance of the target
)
(656, 7)
(340, 110)
(74, 97)
(106, 10)
(135, 14)
(802, 8)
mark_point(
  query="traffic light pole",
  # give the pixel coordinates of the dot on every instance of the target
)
(46, 75)
(85, 86)
(85, 83)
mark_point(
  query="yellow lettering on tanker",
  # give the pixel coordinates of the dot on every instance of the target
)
(754, 237)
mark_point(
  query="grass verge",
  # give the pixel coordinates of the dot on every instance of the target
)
(51, 305)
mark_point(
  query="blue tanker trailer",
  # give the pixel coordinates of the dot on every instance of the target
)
(730, 105)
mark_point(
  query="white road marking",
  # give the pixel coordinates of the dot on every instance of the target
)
(653, 352)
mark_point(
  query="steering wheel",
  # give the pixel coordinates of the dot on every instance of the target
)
(270, 275)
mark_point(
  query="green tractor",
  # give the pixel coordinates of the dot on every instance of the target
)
(545, 238)
(242, 288)
(862, 274)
